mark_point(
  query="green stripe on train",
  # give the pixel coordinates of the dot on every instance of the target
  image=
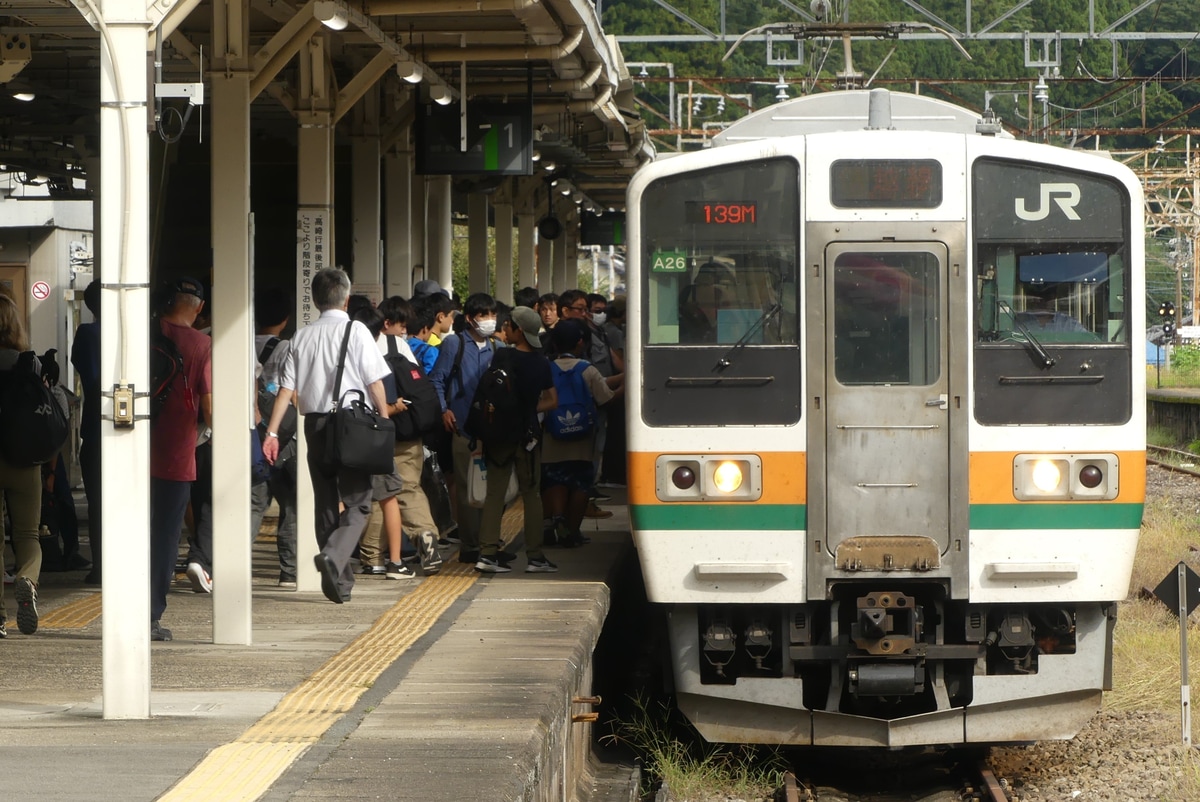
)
(795, 516)
(1042, 515)
(719, 516)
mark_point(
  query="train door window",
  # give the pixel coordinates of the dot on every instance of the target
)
(885, 318)
(720, 252)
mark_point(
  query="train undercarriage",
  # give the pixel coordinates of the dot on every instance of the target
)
(890, 665)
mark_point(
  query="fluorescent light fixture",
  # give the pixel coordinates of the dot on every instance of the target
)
(548, 166)
(440, 94)
(537, 155)
(409, 71)
(331, 15)
(24, 97)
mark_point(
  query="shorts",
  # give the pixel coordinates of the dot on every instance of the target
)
(572, 474)
(385, 486)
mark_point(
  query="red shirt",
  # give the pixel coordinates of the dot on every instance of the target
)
(173, 432)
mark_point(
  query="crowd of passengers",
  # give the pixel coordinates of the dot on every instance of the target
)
(448, 490)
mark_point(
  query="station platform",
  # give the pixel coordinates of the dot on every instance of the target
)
(453, 687)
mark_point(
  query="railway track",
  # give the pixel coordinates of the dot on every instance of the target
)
(964, 782)
(1172, 459)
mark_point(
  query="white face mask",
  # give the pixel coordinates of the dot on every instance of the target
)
(486, 327)
(599, 317)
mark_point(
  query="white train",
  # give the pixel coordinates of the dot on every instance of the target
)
(887, 431)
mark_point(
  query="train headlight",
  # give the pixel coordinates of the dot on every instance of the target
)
(727, 477)
(1046, 475)
(1066, 477)
(716, 477)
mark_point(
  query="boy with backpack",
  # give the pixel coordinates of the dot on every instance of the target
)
(503, 418)
(462, 360)
(421, 415)
(567, 469)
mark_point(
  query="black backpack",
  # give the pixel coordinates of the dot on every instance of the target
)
(495, 416)
(266, 399)
(424, 413)
(33, 426)
(166, 369)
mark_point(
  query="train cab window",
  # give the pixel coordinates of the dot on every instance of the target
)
(1052, 289)
(1060, 296)
(720, 248)
(885, 318)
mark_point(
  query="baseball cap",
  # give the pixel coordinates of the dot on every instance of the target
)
(428, 287)
(530, 324)
(190, 286)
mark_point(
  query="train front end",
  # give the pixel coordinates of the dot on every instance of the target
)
(886, 438)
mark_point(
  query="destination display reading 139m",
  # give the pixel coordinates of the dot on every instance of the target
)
(721, 213)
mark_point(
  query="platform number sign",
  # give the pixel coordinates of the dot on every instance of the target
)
(668, 262)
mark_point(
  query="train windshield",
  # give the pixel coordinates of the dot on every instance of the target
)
(1050, 259)
(1051, 295)
(720, 254)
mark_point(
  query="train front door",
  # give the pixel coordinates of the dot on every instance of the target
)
(887, 433)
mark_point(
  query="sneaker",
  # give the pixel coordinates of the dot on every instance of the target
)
(287, 584)
(27, 614)
(598, 497)
(3, 631)
(398, 571)
(93, 578)
(9, 578)
(410, 559)
(201, 580)
(540, 565)
(373, 570)
(492, 565)
(450, 537)
(431, 561)
(469, 556)
(506, 556)
(595, 512)
(159, 632)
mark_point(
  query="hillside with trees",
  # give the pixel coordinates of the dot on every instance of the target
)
(1153, 89)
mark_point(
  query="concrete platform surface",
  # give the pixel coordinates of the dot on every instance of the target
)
(453, 687)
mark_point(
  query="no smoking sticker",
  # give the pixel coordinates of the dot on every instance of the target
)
(40, 290)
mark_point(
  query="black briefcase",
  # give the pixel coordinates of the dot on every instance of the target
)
(358, 438)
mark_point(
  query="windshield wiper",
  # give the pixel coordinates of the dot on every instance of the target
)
(1034, 344)
(762, 321)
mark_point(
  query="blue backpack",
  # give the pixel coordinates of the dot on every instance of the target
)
(575, 416)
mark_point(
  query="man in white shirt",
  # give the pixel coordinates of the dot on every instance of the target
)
(309, 373)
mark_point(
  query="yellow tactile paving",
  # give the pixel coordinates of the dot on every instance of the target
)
(246, 769)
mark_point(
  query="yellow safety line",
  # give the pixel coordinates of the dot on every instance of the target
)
(247, 768)
(75, 615)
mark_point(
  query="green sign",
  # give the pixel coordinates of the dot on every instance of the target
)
(668, 262)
